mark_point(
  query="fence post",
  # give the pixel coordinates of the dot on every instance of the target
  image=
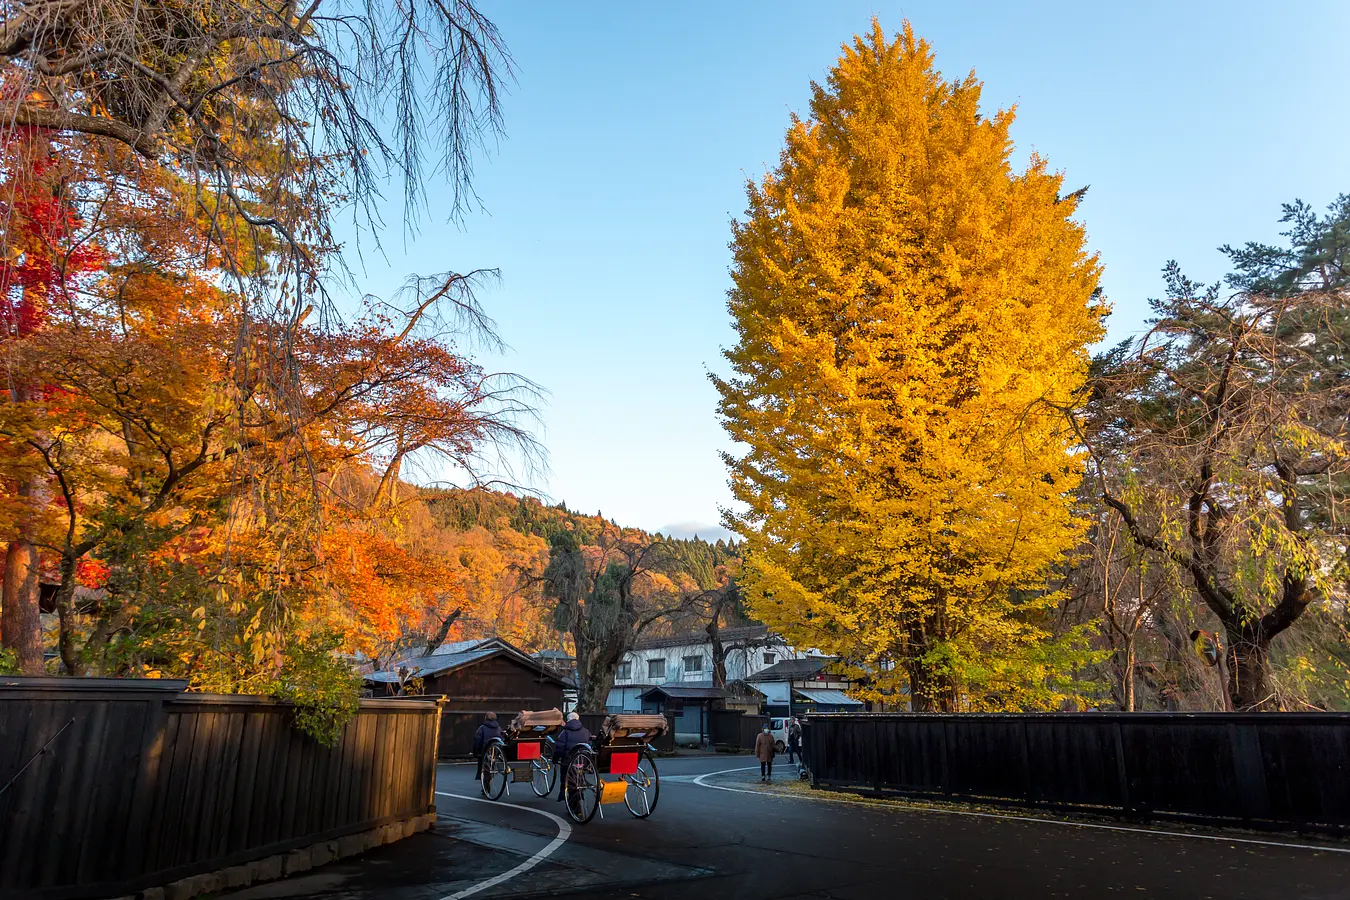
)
(1126, 804)
(876, 756)
(812, 766)
(1028, 785)
(943, 726)
(1249, 771)
(435, 753)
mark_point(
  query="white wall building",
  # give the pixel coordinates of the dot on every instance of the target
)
(688, 659)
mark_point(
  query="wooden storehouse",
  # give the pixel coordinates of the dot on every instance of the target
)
(474, 677)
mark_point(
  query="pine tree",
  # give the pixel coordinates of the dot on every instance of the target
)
(911, 312)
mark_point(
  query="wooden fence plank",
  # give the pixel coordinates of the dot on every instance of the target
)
(288, 788)
(231, 761)
(69, 808)
(26, 724)
(109, 795)
(210, 764)
(201, 785)
(366, 808)
(155, 854)
(245, 783)
(264, 796)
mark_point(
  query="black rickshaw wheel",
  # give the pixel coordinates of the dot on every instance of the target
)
(495, 772)
(583, 788)
(543, 775)
(644, 788)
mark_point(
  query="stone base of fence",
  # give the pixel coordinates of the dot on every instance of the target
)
(282, 865)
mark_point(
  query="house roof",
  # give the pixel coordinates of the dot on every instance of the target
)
(685, 691)
(552, 654)
(743, 689)
(740, 634)
(788, 669)
(435, 664)
(457, 655)
(827, 697)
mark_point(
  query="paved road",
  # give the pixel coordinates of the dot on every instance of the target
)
(704, 843)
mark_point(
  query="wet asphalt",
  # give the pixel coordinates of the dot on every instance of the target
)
(737, 842)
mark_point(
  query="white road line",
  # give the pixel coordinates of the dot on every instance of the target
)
(825, 798)
(564, 832)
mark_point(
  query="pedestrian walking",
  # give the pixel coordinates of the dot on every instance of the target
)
(485, 734)
(573, 735)
(764, 753)
(794, 739)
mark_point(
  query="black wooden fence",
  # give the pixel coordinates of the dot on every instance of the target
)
(109, 786)
(734, 729)
(1268, 770)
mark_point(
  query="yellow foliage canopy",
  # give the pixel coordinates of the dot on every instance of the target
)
(911, 310)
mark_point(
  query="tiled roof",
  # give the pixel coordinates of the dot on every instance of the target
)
(435, 664)
(449, 657)
(738, 635)
(686, 691)
(828, 697)
(789, 669)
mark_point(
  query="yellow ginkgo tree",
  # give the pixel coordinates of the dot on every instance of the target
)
(912, 311)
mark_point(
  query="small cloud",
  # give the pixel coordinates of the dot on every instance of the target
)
(705, 530)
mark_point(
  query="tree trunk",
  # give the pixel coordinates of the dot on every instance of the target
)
(1181, 678)
(20, 624)
(597, 667)
(1249, 683)
(719, 653)
(1127, 676)
(930, 691)
(920, 700)
(71, 658)
(434, 642)
(70, 654)
(596, 677)
(20, 609)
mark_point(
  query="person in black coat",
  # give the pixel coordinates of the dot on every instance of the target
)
(486, 732)
(573, 735)
(794, 739)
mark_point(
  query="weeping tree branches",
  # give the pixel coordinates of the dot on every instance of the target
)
(187, 84)
(274, 119)
(1221, 440)
(606, 595)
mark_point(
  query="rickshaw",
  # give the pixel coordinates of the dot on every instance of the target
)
(523, 753)
(622, 748)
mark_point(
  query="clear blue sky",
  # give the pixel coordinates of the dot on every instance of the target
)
(632, 128)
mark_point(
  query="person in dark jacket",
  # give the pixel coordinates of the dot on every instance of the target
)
(794, 739)
(573, 735)
(764, 751)
(486, 732)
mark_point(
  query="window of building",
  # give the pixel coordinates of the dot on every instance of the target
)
(770, 658)
(625, 671)
(656, 668)
(693, 665)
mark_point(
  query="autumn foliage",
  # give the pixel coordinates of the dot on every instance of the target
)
(910, 310)
(210, 491)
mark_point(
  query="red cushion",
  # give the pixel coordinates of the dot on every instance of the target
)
(527, 750)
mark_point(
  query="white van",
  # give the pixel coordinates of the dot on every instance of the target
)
(778, 728)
